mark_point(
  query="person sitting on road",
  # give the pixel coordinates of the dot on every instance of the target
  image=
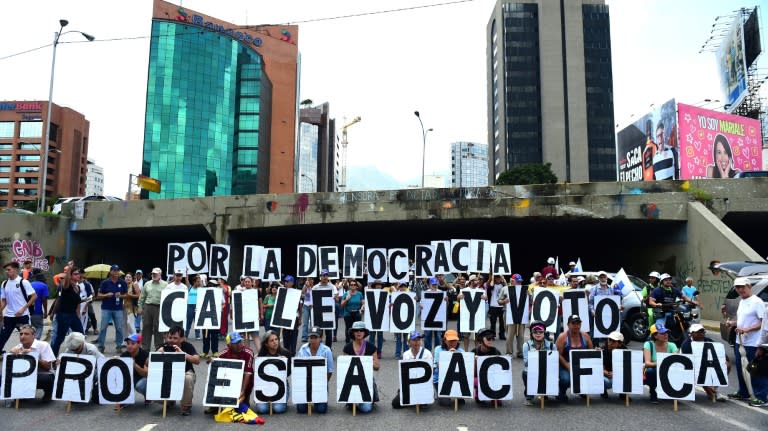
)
(450, 344)
(28, 344)
(569, 340)
(659, 343)
(360, 347)
(315, 347)
(270, 347)
(664, 298)
(484, 338)
(615, 341)
(415, 353)
(698, 333)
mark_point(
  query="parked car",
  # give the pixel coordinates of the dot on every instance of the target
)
(751, 174)
(57, 206)
(757, 273)
(15, 211)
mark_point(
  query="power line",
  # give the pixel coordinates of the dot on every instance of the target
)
(376, 12)
(24, 52)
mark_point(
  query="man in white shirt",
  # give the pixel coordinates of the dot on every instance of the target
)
(45, 358)
(748, 324)
(17, 296)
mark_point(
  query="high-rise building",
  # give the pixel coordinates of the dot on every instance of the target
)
(469, 164)
(94, 179)
(317, 156)
(22, 143)
(550, 88)
(221, 106)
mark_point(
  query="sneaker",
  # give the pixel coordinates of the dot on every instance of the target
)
(604, 395)
(519, 356)
(654, 399)
(215, 354)
(186, 411)
(737, 396)
(756, 402)
(101, 349)
(561, 398)
(721, 398)
(203, 355)
(528, 401)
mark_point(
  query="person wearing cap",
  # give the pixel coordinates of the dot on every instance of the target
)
(515, 331)
(236, 349)
(550, 268)
(313, 348)
(17, 296)
(140, 362)
(415, 352)
(450, 343)
(748, 324)
(573, 338)
(474, 286)
(615, 341)
(149, 309)
(571, 266)
(433, 337)
(351, 303)
(602, 288)
(663, 299)
(484, 338)
(67, 308)
(498, 293)
(659, 342)
(360, 347)
(538, 341)
(698, 334)
(40, 310)
(111, 292)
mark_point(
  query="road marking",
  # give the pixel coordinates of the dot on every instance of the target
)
(462, 428)
(734, 422)
(740, 403)
(147, 427)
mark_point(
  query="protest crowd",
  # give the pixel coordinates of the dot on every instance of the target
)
(273, 339)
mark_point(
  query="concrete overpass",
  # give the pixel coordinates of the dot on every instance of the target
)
(672, 226)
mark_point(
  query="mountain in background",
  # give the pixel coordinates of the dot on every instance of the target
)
(371, 178)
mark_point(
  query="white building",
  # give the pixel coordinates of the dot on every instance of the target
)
(94, 179)
(469, 164)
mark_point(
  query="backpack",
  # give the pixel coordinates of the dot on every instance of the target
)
(24, 283)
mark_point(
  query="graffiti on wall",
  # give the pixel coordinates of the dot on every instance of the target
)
(27, 249)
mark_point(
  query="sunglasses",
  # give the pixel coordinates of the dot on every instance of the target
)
(538, 331)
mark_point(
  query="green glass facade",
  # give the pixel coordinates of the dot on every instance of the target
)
(207, 117)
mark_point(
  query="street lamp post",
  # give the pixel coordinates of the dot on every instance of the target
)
(423, 145)
(311, 181)
(47, 130)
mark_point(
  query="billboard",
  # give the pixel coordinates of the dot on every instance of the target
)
(647, 149)
(732, 65)
(752, 46)
(717, 145)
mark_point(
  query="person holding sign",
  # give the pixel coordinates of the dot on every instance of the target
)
(315, 348)
(290, 336)
(46, 358)
(248, 283)
(475, 285)
(306, 311)
(400, 338)
(360, 347)
(432, 336)
(659, 343)
(537, 341)
(351, 302)
(211, 336)
(236, 349)
(615, 341)
(140, 357)
(149, 309)
(75, 344)
(498, 290)
(698, 333)
(191, 304)
(268, 305)
(569, 340)
(270, 347)
(177, 343)
(515, 331)
(484, 338)
(415, 352)
(450, 344)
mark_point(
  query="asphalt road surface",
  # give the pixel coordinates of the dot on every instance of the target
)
(700, 415)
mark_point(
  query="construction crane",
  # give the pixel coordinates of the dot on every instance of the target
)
(343, 185)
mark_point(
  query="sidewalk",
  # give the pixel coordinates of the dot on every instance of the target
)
(711, 325)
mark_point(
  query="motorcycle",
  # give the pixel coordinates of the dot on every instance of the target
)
(678, 321)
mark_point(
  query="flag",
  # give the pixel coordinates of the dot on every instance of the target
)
(621, 281)
(577, 268)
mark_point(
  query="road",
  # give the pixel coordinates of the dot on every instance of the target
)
(701, 415)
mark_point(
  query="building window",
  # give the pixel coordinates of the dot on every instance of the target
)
(30, 129)
(28, 158)
(26, 146)
(28, 169)
(6, 147)
(6, 129)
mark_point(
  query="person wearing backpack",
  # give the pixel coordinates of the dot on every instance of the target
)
(17, 298)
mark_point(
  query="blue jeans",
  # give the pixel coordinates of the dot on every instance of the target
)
(116, 317)
(565, 380)
(66, 321)
(759, 384)
(305, 318)
(277, 408)
(141, 386)
(316, 408)
(429, 335)
(210, 341)
(400, 342)
(377, 338)
(650, 380)
(367, 407)
(190, 321)
(137, 323)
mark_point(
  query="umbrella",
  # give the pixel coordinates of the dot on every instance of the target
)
(100, 270)
(744, 364)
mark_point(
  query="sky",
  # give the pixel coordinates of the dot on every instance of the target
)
(381, 67)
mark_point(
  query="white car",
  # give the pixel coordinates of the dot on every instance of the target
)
(57, 206)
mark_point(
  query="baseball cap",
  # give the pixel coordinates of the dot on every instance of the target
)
(136, 338)
(451, 335)
(324, 271)
(602, 273)
(178, 272)
(517, 277)
(234, 338)
(315, 332)
(551, 261)
(696, 327)
(741, 281)
(472, 277)
(538, 325)
(660, 328)
(139, 271)
(580, 279)
(433, 281)
(616, 336)
(574, 318)
(114, 268)
(415, 335)
(571, 263)
(289, 278)
(157, 271)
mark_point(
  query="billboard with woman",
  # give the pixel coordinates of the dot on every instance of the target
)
(717, 145)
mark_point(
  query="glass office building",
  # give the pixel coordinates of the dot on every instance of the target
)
(206, 115)
(469, 164)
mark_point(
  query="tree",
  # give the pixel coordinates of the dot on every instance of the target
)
(528, 174)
